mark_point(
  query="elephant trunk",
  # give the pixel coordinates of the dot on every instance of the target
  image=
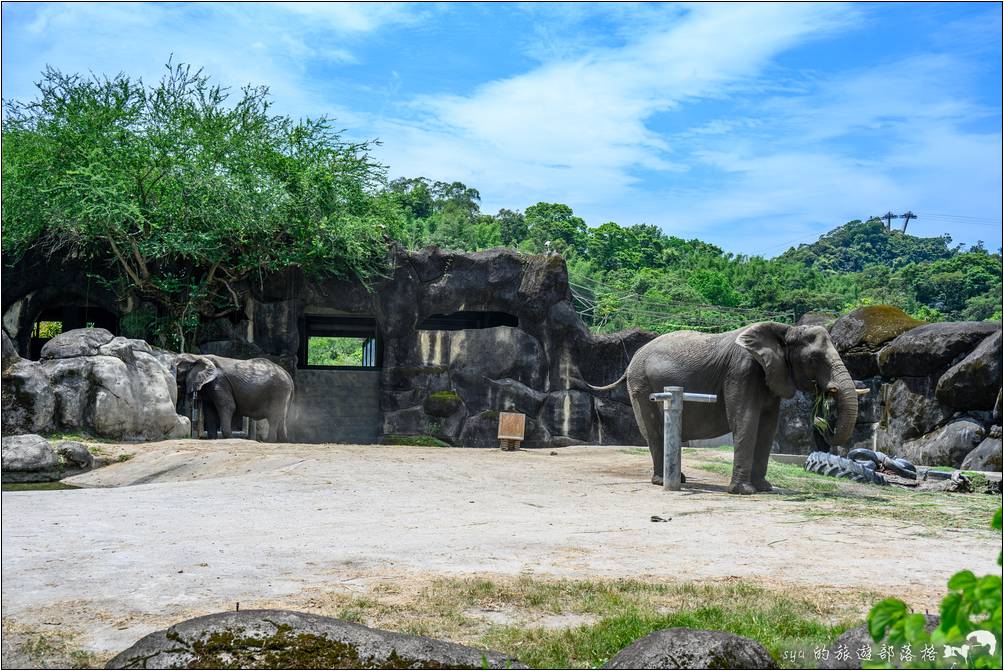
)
(840, 387)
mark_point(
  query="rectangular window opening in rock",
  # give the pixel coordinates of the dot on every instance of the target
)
(340, 342)
(468, 319)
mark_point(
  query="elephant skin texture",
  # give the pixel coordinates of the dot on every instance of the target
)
(233, 388)
(750, 370)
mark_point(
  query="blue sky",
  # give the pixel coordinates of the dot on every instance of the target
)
(754, 127)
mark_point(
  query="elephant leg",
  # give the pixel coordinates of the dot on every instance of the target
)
(765, 440)
(226, 411)
(649, 419)
(210, 419)
(280, 429)
(744, 419)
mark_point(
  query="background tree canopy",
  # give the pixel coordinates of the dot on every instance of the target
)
(184, 190)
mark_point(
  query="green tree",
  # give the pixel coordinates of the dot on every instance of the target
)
(554, 227)
(512, 227)
(186, 190)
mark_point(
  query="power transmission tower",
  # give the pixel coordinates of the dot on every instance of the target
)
(889, 216)
(906, 218)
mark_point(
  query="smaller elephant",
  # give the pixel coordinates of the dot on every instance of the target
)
(253, 388)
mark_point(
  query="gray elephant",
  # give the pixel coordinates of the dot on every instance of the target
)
(254, 388)
(750, 369)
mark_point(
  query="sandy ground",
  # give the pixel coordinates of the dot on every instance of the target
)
(192, 527)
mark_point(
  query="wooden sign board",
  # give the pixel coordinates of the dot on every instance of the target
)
(512, 425)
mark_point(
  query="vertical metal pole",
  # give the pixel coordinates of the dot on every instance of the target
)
(671, 431)
(196, 416)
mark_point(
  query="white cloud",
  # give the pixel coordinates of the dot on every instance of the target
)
(898, 136)
(238, 43)
(577, 129)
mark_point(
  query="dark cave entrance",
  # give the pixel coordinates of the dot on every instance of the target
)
(57, 319)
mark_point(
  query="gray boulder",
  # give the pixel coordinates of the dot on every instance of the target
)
(90, 381)
(946, 446)
(861, 333)
(480, 430)
(843, 654)
(512, 396)
(10, 355)
(616, 419)
(794, 426)
(870, 404)
(987, 456)
(569, 414)
(930, 349)
(28, 402)
(73, 456)
(973, 383)
(682, 648)
(823, 319)
(910, 411)
(281, 639)
(28, 458)
(78, 342)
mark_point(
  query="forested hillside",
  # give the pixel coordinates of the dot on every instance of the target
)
(639, 276)
(182, 190)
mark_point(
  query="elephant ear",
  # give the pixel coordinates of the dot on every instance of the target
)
(202, 373)
(765, 341)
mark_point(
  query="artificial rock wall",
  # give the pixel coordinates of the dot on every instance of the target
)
(934, 390)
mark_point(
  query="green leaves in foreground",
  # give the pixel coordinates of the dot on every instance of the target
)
(973, 604)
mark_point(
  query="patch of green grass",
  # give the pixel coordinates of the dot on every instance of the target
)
(617, 613)
(77, 437)
(35, 486)
(824, 496)
(124, 457)
(419, 441)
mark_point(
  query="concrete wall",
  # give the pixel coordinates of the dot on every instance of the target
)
(336, 406)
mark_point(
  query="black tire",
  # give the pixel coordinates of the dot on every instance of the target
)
(835, 466)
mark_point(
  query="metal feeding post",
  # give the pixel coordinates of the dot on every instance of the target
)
(672, 404)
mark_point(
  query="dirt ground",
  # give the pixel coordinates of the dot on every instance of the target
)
(184, 528)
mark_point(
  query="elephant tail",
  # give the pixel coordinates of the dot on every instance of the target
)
(610, 386)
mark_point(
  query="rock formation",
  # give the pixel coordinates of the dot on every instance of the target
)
(91, 381)
(282, 639)
(932, 389)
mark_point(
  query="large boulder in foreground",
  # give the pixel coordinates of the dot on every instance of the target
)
(861, 333)
(930, 349)
(973, 383)
(682, 648)
(89, 380)
(282, 639)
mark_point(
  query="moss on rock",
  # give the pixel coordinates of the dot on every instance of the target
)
(871, 326)
(442, 403)
(420, 440)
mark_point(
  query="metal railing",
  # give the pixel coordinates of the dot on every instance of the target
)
(673, 399)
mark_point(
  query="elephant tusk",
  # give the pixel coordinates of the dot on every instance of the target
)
(863, 392)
